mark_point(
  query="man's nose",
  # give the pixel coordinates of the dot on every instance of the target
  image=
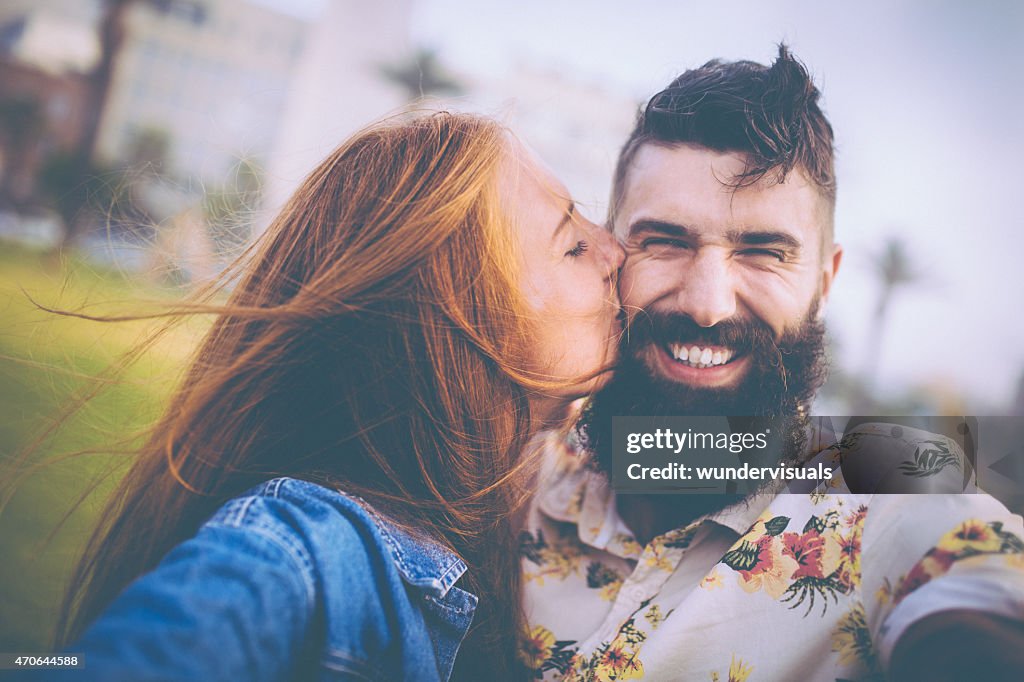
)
(707, 293)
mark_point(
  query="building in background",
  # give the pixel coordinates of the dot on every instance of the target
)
(576, 126)
(339, 87)
(43, 93)
(198, 85)
(138, 120)
(361, 66)
(210, 76)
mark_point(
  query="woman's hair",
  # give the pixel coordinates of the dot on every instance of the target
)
(373, 344)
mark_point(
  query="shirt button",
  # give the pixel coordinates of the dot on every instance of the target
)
(637, 594)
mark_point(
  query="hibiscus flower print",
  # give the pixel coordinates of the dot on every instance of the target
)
(807, 551)
(772, 571)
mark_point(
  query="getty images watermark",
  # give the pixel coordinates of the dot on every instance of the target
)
(743, 455)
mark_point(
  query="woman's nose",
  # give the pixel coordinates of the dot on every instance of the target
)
(611, 250)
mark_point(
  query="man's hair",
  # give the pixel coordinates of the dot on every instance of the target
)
(770, 114)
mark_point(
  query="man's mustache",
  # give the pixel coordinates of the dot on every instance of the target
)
(740, 335)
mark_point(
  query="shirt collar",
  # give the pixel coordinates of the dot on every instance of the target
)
(569, 491)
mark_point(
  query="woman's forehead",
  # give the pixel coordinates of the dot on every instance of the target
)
(525, 173)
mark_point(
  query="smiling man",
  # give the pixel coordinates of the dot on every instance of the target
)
(711, 266)
(724, 198)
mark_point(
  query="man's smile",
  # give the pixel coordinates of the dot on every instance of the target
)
(706, 366)
(700, 356)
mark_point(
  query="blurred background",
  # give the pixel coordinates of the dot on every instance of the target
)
(144, 142)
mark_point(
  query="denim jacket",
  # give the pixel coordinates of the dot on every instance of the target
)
(290, 581)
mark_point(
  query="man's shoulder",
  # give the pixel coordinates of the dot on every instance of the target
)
(926, 514)
(899, 514)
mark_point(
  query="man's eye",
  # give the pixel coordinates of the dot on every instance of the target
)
(770, 253)
(664, 241)
(578, 250)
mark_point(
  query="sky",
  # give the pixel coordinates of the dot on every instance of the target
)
(924, 97)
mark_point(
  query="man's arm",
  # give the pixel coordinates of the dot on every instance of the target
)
(960, 645)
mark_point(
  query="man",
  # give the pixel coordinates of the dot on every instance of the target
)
(724, 197)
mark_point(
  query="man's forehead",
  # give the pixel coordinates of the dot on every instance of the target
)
(699, 185)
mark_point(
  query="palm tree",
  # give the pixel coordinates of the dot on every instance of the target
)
(421, 75)
(895, 269)
(111, 36)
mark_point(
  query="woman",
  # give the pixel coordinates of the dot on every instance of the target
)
(427, 301)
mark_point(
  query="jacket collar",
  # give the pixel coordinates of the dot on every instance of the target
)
(423, 563)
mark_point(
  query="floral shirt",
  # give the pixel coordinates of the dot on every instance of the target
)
(782, 587)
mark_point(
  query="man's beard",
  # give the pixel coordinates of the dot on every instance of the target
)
(780, 382)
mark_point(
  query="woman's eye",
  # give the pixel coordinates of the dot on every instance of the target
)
(578, 250)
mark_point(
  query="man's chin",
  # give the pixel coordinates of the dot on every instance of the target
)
(769, 380)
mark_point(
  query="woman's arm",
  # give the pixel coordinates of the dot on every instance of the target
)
(232, 603)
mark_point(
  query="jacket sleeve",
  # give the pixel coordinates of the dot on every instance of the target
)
(235, 602)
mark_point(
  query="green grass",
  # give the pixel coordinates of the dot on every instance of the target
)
(46, 360)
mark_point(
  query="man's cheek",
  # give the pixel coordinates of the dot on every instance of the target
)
(779, 304)
(641, 283)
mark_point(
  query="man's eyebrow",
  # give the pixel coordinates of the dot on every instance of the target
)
(660, 226)
(764, 238)
(567, 218)
(742, 237)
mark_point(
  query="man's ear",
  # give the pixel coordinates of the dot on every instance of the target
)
(829, 269)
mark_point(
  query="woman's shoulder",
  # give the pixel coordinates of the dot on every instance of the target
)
(317, 525)
(290, 507)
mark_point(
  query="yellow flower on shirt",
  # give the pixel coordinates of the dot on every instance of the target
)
(852, 640)
(713, 580)
(619, 662)
(738, 672)
(628, 546)
(535, 647)
(655, 617)
(971, 535)
(556, 559)
(615, 660)
(883, 595)
(965, 543)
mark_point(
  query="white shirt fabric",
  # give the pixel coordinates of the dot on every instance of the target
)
(781, 587)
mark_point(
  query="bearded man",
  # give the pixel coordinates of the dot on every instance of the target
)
(724, 199)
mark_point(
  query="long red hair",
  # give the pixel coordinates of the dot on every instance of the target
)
(373, 345)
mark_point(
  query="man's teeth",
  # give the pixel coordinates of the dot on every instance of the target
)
(695, 356)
